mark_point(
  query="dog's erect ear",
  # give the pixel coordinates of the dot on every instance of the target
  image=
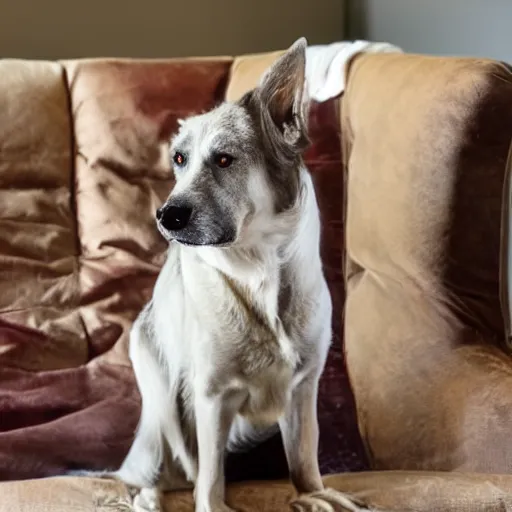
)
(282, 92)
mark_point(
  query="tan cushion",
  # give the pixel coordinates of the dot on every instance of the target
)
(389, 491)
(426, 141)
(386, 491)
(38, 239)
(246, 72)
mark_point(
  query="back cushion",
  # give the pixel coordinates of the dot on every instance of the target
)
(40, 328)
(426, 140)
(124, 114)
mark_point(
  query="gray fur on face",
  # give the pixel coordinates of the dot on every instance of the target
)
(265, 133)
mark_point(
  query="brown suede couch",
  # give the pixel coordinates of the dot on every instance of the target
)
(410, 171)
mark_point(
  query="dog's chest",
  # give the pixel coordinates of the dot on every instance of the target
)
(244, 332)
(247, 340)
(265, 358)
(264, 340)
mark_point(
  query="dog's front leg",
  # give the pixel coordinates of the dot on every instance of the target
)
(299, 430)
(214, 416)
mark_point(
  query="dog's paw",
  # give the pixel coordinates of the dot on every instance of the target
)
(328, 500)
(147, 500)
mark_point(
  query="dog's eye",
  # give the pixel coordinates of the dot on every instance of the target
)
(179, 158)
(223, 160)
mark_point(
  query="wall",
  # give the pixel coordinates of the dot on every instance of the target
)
(52, 29)
(442, 27)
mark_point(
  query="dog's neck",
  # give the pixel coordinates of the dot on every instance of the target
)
(292, 241)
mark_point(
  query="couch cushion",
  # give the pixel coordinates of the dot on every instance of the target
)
(390, 491)
(124, 114)
(426, 141)
(340, 444)
(53, 410)
(38, 240)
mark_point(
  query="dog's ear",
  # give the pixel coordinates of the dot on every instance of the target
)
(282, 93)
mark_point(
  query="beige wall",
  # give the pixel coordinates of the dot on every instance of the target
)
(52, 29)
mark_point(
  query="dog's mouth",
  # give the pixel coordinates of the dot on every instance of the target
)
(223, 241)
(189, 243)
(194, 237)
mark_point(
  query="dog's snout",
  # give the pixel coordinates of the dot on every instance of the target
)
(174, 218)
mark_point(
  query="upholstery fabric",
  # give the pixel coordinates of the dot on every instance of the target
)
(82, 169)
(390, 491)
(425, 145)
(38, 239)
(53, 410)
(83, 252)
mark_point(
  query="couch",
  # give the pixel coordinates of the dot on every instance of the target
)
(410, 169)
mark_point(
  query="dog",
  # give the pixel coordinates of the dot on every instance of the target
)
(234, 340)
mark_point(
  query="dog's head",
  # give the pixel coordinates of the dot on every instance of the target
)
(237, 166)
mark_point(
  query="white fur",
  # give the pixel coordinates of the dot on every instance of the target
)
(184, 339)
(235, 338)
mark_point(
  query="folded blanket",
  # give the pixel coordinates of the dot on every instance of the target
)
(326, 65)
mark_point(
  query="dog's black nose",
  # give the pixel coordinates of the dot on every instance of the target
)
(174, 218)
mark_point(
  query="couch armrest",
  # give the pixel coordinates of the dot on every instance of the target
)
(426, 143)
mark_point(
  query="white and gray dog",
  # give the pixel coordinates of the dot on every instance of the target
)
(235, 337)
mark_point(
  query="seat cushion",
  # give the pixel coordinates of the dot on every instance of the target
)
(387, 492)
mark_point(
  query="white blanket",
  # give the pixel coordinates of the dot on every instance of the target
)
(325, 65)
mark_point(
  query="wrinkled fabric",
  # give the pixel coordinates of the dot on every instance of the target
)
(40, 327)
(80, 189)
(51, 405)
(82, 170)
